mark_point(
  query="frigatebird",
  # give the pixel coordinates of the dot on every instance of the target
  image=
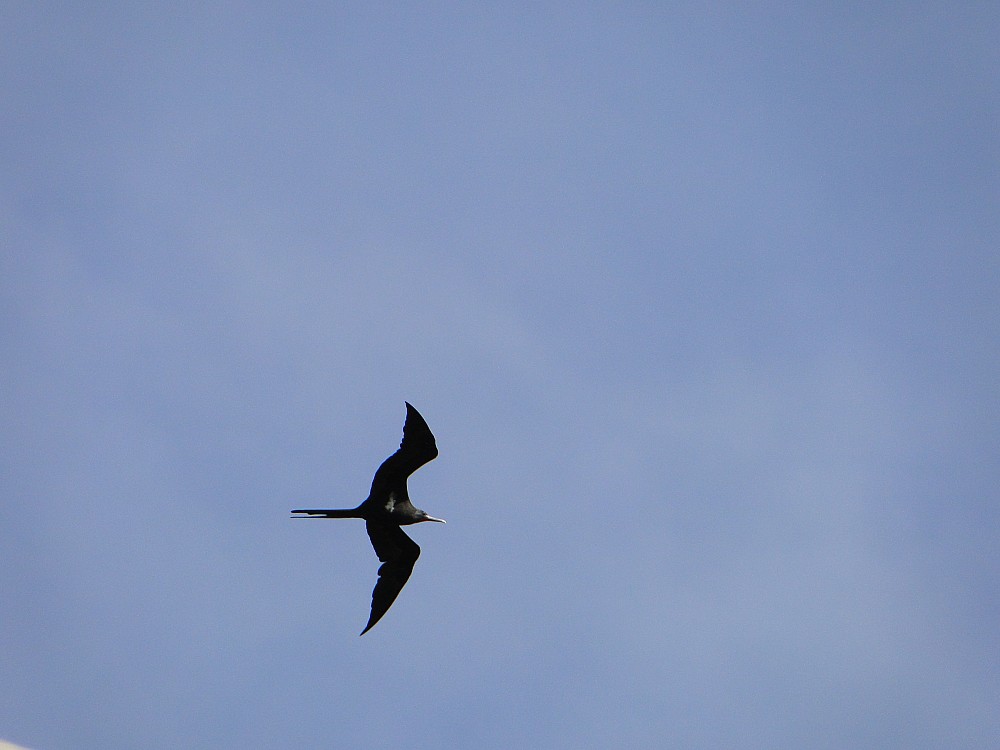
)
(387, 508)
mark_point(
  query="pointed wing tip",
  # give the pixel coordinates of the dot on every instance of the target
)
(370, 625)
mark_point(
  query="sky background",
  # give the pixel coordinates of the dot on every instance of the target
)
(701, 303)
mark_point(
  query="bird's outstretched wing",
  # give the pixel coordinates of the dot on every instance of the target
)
(416, 449)
(398, 553)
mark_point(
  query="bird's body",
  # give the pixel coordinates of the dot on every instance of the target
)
(387, 508)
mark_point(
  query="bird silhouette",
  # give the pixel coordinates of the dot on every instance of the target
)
(387, 508)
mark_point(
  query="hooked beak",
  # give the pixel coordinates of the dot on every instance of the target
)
(432, 518)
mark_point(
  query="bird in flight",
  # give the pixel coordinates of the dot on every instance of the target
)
(387, 508)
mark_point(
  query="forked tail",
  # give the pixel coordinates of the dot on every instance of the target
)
(328, 513)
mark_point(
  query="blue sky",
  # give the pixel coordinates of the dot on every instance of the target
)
(700, 303)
